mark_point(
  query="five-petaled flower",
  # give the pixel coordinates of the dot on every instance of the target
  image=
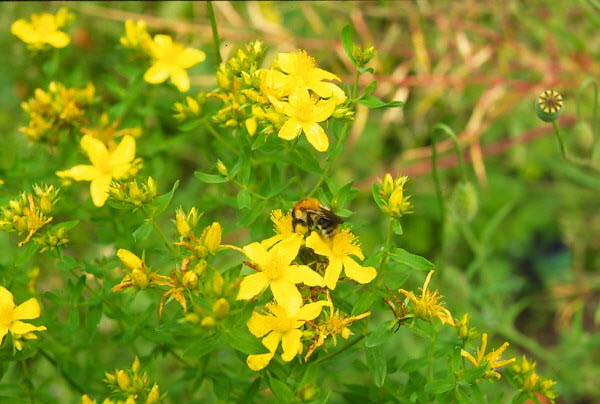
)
(304, 114)
(107, 165)
(428, 304)
(338, 249)
(43, 29)
(491, 361)
(275, 269)
(171, 59)
(282, 324)
(11, 316)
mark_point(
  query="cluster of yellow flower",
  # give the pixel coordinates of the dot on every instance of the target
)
(185, 278)
(523, 374)
(393, 201)
(11, 316)
(131, 386)
(55, 113)
(169, 59)
(44, 29)
(284, 261)
(30, 212)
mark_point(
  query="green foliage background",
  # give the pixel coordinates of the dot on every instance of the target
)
(526, 269)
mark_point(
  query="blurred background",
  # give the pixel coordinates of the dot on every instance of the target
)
(474, 66)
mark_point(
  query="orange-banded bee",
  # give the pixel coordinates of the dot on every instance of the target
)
(308, 214)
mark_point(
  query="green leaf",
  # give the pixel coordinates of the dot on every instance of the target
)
(260, 141)
(439, 386)
(161, 203)
(380, 335)
(471, 375)
(280, 390)
(376, 363)
(369, 89)
(348, 43)
(377, 195)
(243, 199)
(210, 178)
(462, 397)
(188, 126)
(364, 302)
(92, 317)
(202, 346)
(241, 340)
(373, 102)
(397, 227)
(66, 225)
(26, 253)
(142, 232)
(414, 261)
(365, 70)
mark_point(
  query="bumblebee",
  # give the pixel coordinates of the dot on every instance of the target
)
(309, 214)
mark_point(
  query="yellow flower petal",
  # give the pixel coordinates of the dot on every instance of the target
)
(190, 57)
(319, 246)
(357, 272)
(99, 189)
(259, 324)
(28, 310)
(3, 332)
(271, 341)
(80, 172)
(312, 310)
(96, 151)
(290, 129)
(303, 274)
(252, 285)
(316, 136)
(286, 294)
(287, 250)
(291, 344)
(333, 271)
(58, 39)
(124, 153)
(180, 78)
(257, 253)
(259, 362)
(19, 327)
(157, 73)
(24, 31)
(323, 110)
(6, 299)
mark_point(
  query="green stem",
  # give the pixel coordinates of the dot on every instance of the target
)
(355, 88)
(344, 348)
(561, 143)
(257, 195)
(568, 157)
(159, 231)
(216, 134)
(65, 374)
(215, 32)
(594, 83)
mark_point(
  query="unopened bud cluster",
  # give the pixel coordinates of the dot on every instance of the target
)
(217, 289)
(57, 112)
(362, 56)
(522, 373)
(464, 330)
(393, 199)
(131, 194)
(129, 386)
(192, 107)
(29, 212)
(107, 131)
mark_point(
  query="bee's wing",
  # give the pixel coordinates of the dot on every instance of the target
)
(331, 216)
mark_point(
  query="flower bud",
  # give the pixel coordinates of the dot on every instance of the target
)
(110, 378)
(152, 188)
(154, 395)
(548, 106)
(217, 284)
(123, 380)
(45, 204)
(129, 259)
(465, 201)
(85, 399)
(183, 228)
(208, 322)
(190, 280)
(201, 251)
(200, 267)
(251, 126)
(530, 382)
(130, 400)
(221, 308)
(222, 168)
(135, 194)
(139, 279)
(212, 239)
(135, 367)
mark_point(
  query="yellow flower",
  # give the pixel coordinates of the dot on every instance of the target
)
(283, 228)
(276, 271)
(43, 29)
(305, 113)
(136, 35)
(171, 59)
(106, 165)
(426, 305)
(338, 249)
(282, 324)
(302, 73)
(11, 314)
(491, 360)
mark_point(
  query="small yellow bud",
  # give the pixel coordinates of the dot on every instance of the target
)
(110, 378)
(85, 399)
(135, 367)
(193, 105)
(154, 395)
(221, 308)
(388, 184)
(530, 382)
(129, 259)
(123, 380)
(130, 400)
(14, 205)
(212, 240)
(208, 322)
(200, 267)
(222, 168)
(251, 126)
(183, 228)
(217, 284)
(191, 318)
(138, 383)
(135, 194)
(201, 251)
(190, 280)
(139, 279)
(45, 204)
(152, 188)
